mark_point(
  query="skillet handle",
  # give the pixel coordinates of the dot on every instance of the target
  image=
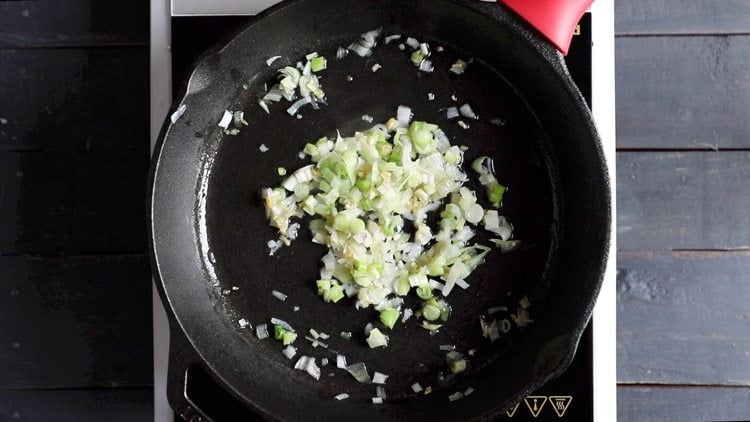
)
(555, 19)
(181, 358)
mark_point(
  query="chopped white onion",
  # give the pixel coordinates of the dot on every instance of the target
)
(359, 372)
(393, 37)
(404, 115)
(462, 283)
(323, 362)
(407, 314)
(281, 322)
(263, 148)
(430, 96)
(226, 119)
(456, 396)
(451, 113)
(497, 309)
(289, 352)
(341, 53)
(342, 396)
(261, 331)
(426, 66)
(416, 387)
(341, 361)
(377, 400)
(380, 392)
(376, 67)
(367, 118)
(412, 42)
(243, 323)
(463, 124)
(467, 112)
(297, 105)
(447, 347)
(379, 378)
(278, 295)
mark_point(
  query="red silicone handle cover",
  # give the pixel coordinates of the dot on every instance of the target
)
(555, 19)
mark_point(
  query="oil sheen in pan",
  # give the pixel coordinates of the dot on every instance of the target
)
(236, 230)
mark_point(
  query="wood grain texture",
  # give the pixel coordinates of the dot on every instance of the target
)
(683, 92)
(69, 203)
(73, 23)
(682, 17)
(87, 100)
(684, 404)
(696, 200)
(75, 322)
(683, 318)
(115, 405)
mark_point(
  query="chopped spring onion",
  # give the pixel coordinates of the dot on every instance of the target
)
(261, 331)
(278, 295)
(282, 323)
(377, 339)
(388, 317)
(287, 337)
(346, 335)
(359, 372)
(416, 387)
(459, 67)
(289, 352)
(292, 110)
(456, 396)
(456, 362)
(318, 64)
(379, 378)
(361, 192)
(342, 396)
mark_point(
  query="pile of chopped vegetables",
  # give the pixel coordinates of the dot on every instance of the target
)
(364, 191)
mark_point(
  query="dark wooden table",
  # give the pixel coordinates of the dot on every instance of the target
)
(75, 287)
(683, 203)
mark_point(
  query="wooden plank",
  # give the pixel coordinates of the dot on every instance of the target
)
(685, 404)
(126, 405)
(693, 200)
(682, 17)
(75, 322)
(682, 318)
(73, 23)
(683, 92)
(88, 100)
(68, 203)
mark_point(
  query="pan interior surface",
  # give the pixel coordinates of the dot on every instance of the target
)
(543, 151)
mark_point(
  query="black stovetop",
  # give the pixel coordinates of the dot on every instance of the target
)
(570, 395)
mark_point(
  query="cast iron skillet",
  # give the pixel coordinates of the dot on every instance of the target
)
(209, 231)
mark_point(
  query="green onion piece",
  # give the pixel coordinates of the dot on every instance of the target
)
(357, 226)
(457, 366)
(495, 192)
(364, 185)
(334, 294)
(479, 167)
(377, 339)
(436, 266)
(288, 338)
(417, 57)
(318, 63)
(281, 171)
(388, 317)
(310, 150)
(402, 286)
(445, 311)
(279, 332)
(323, 285)
(424, 292)
(430, 311)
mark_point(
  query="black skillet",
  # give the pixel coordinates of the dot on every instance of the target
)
(209, 231)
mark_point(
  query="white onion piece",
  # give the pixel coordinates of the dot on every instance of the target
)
(226, 119)
(342, 396)
(271, 60)
(462, 283)
(451, 113)
(467, 112)
(297, 105)
(359, 372)
(377, 400)
(393, 37)
(416, 387)
(281, 322)
(289, 352)
(278, 295)
(404, 115)
(261, 331)
(380, 392)
(379, 378)
(341, 361)
(412, 42)
(243, 323)
(426, 66)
